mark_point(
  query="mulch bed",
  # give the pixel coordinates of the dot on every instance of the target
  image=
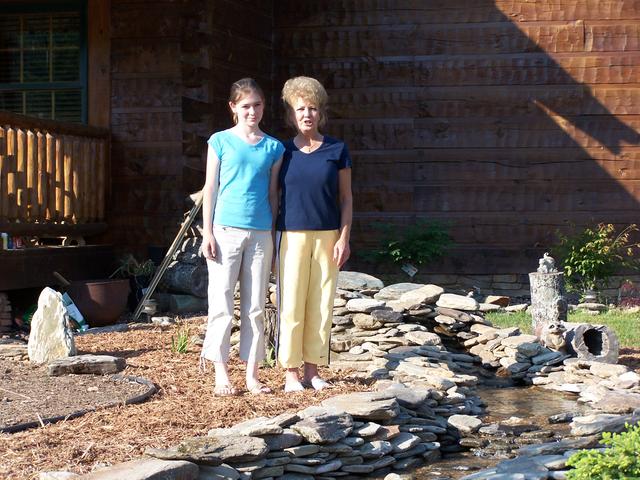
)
(35, 398)
(184, 405)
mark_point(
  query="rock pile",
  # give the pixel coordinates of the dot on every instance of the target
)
(427, 349)
(350, 434)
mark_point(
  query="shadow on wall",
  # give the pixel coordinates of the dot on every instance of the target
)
(509, 119)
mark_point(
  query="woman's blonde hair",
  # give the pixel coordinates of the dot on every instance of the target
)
(239, 89)
(308, 89)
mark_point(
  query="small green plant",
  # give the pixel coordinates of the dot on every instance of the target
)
(130, 267)
(180, 343)
(270, 357)
(416, 244)
(591, 257)
(620, 460)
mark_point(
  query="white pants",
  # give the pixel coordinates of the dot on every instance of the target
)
(242, 254)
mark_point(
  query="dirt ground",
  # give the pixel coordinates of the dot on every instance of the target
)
(184, 405)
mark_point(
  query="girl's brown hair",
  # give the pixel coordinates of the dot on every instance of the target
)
(243, 87)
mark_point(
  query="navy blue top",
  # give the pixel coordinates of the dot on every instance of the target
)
(309, 184)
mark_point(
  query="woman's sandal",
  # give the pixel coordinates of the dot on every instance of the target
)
(258, 389)
(225, 390)
(316, 383)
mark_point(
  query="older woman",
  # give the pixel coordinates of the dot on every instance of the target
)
(314, 225)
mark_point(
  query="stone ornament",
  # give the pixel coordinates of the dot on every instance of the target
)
(553, 337)
(547, 264)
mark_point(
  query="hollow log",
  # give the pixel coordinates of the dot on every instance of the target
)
(548, 303)
(187, 304)
(187, 278)
(597, 343)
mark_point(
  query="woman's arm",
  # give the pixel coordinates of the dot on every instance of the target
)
(341, 250)
(209, 198)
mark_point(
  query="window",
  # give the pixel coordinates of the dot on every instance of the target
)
(42, 61)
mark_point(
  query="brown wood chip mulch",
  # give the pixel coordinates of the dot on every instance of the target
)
(183, 407)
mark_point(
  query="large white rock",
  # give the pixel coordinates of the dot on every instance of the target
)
(458, 302)
(364, 305)
(50, 337)
(427, 294)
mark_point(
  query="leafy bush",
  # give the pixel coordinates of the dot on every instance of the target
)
(417, 244)
(592, 256)
(619, 461)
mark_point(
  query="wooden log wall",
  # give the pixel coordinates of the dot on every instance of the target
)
(50, 173)
(171, 73)
(508, 118)
(146, 116)
(222, 43)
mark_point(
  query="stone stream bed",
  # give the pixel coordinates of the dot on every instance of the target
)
(430, 356)
(515, 417)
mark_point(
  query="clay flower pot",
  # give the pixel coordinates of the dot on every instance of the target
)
(101, 302)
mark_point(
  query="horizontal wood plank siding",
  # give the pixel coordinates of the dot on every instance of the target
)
(507, 119)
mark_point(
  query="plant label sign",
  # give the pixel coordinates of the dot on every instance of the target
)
(409, 269)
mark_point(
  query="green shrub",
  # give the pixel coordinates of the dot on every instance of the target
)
(591, 257)
(417, 244)
(619, 461)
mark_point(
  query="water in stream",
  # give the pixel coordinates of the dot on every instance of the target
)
(532, 405)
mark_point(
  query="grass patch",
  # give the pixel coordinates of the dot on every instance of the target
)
(626, 325)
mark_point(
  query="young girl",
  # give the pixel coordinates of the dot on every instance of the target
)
(239, 202)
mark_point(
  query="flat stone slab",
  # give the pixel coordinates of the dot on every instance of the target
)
(598, 423)
(214, 450)
(423, 295)
(364, 305)
(557, 448)
(257, 426)
(408, 397)
(358, 281)
(423, 338)
(395, 291)
(465, 423)
(457, 302)
(387, 316)
(147, 468)
(323, 425)
(14, 350)
(86, 364)
(366, 405)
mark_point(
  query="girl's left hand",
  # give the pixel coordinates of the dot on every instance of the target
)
(341, 252)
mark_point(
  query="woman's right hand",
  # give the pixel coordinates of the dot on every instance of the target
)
(209, 246)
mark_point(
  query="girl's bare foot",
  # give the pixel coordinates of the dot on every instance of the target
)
(223, 386)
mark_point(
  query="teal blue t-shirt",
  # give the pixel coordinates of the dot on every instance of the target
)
(243, 191)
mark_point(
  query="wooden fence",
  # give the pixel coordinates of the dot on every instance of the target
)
(53, 176)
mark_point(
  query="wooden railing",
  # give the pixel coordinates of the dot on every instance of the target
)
(53, 176)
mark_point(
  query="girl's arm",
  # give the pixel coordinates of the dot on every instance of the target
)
(274, 190)
(341, 250)
(209, 198)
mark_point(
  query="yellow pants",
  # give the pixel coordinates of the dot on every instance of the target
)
(307, 284)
